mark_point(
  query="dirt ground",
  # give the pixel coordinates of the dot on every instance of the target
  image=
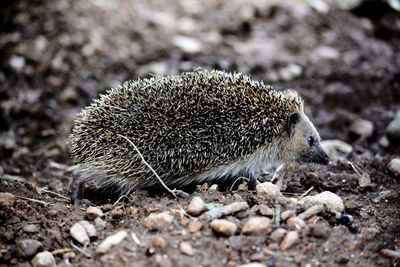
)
(56, 56)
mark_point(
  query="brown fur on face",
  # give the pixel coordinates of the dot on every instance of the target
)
(304, 144)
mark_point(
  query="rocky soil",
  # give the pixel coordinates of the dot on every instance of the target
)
(56, 56)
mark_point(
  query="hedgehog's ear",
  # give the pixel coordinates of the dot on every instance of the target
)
(293, 119)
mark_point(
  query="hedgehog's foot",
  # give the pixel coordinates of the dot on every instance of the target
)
(76, 190)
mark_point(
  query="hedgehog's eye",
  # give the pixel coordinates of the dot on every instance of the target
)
(311, 141)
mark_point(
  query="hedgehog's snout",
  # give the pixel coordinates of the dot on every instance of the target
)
(315, 155)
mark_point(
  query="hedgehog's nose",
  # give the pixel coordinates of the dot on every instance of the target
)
(323, 158)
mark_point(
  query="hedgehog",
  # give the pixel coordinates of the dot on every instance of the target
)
(200, 126)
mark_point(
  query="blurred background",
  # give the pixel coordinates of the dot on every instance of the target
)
(56, 56)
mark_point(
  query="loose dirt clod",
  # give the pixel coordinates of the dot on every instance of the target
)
(327, 198)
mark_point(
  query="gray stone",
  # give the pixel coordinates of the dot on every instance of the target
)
(28, 247)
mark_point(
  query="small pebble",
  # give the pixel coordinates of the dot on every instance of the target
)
(30, 228)
(394, 166)
(196, 206)
(194, 226)
(17, 62)
(93, 212)
(290, 239)
(28, 247)
(78, 232)
(269, 189)
(111, 241)
(384, 142)
(296, 223)
(223, 227)
(89, 228)
(158, 221)
(257, 225)
(362, 128)
(287, 214)
(186, 248)
(278, 234)
(44, 259)
(99, 223)
(159, 243)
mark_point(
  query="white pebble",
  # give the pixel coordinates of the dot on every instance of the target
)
(111, 241)
(44, 259)
(78, 232)
(17, 62)
(89, 228)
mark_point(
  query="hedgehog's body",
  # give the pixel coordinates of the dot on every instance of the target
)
(199, 126)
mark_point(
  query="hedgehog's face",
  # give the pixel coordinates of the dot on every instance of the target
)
(305, 141)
